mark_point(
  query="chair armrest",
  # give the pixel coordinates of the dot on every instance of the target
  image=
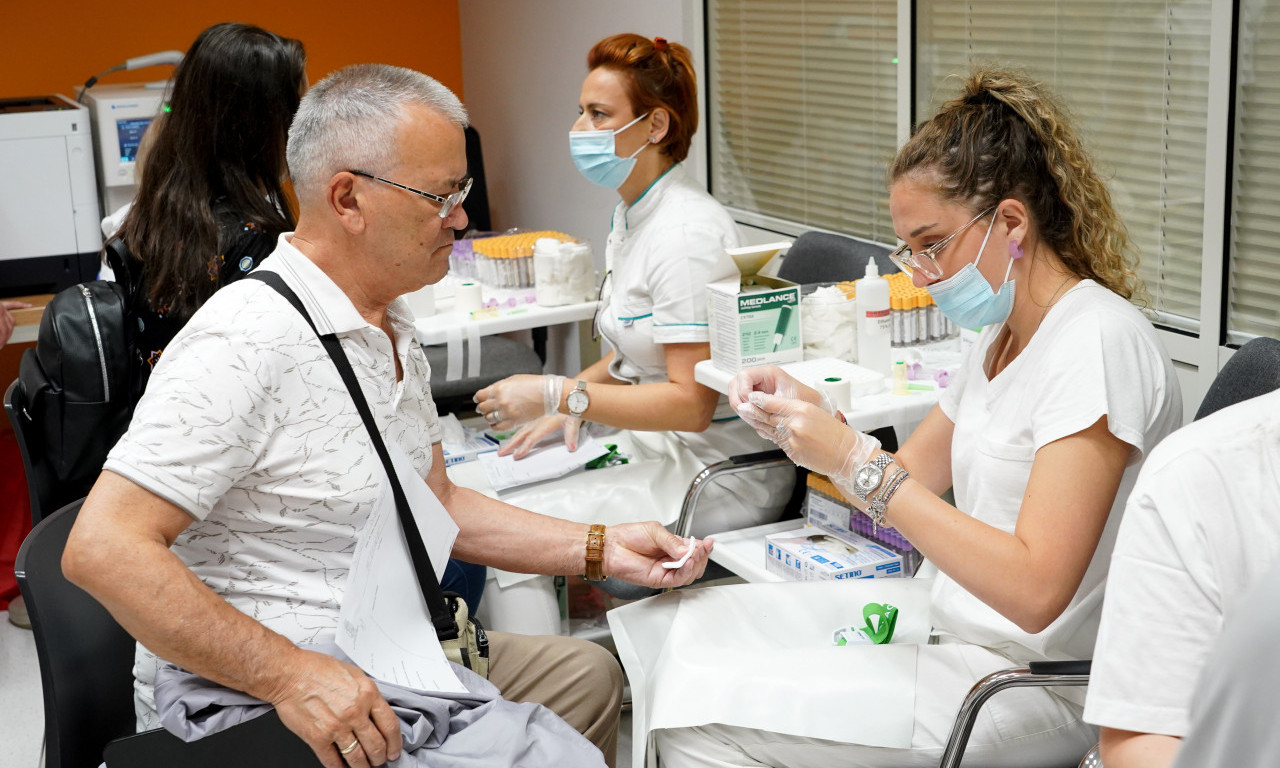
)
(746, 462)
(1039, 674)
(1071, 667)
(262, 742)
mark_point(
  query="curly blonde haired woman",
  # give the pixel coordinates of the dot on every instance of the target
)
(1009, 227)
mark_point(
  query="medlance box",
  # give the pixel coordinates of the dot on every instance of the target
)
(754, 320)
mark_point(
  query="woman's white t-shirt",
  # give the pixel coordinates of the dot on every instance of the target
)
(1094, 355)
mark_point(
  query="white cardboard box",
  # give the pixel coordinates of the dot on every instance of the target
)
(754, 319)
(810, 554)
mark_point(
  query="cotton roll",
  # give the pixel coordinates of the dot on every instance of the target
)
(836, 389)
(467, 298)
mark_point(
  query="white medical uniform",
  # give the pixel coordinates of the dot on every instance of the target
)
(1093, 356)
(1231, 711)
(1201, 527)
(662, 252)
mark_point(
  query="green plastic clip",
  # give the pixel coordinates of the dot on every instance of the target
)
(610, 459)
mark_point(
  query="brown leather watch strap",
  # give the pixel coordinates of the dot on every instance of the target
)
(595, 553)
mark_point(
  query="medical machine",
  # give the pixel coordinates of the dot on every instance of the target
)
(120, 115)
(50, 235)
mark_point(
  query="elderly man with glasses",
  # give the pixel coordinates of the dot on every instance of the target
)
(222, 531)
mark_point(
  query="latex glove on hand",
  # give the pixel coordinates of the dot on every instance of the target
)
(770, 380)
(519, 399)
(535, 432)
(809, 435)
(635, 552)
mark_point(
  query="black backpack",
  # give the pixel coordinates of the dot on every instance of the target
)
(81, 381)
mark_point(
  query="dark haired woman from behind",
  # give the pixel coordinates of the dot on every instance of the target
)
(637, 114)
(211, 201)
(212, 204)
(1010, 228)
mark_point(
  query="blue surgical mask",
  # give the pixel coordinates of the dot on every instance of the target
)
(593, 152)
(966, 297)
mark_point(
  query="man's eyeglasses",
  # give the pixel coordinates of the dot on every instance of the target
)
(925, 262)
(595, 319)
(447, 204)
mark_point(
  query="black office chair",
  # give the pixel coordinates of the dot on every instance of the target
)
(499, 357)
(42, 487)
(86, 672)
(1254, 370)
(477, 203)
(821, 257)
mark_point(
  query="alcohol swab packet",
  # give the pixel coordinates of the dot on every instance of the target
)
(674, 564)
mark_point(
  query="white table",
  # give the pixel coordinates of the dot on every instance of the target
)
(434, 329)
(743, 551)
(651, 487)
(563, 351)
(868, 412)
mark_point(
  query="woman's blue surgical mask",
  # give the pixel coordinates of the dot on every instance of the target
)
(594, 154)
(966, 297)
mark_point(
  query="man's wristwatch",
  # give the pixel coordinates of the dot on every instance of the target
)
(595, 554)
(578, 401)
(869, 475)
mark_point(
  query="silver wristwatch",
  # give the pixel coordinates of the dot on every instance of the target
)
(869, 475)
(577, 400)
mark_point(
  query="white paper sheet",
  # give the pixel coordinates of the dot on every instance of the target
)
(730, 654)
(542, 463)
(385, 626)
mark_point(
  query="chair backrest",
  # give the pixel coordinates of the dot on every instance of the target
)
(86, 658)
(39, 481)
(477, 203)
(821, 257)
(1252, 371)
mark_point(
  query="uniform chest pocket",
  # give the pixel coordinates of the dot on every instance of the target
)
(629, 311)
(996, 449)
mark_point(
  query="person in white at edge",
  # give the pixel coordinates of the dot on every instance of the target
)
(1201, 526)
(1041, 434)
(221, 532)
(638, 113)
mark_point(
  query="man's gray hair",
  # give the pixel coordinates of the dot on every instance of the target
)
(348, 121)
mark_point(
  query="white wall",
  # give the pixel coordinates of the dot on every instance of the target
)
(523, 64)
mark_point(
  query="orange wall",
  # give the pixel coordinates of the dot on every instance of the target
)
(52, 46)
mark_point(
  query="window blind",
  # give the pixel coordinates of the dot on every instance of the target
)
(1253, 305)
(803, 108)
(1136, 76)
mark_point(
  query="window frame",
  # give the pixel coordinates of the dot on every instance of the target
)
(1198, 349)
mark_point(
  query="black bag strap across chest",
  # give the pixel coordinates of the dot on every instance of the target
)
(441, 617)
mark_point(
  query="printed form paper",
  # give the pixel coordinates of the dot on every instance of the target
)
(385, 626)
(544, 463)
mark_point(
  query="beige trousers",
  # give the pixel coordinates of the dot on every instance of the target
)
(578, 680)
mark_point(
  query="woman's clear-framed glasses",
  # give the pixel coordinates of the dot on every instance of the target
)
(447, 204)
(925, 262)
